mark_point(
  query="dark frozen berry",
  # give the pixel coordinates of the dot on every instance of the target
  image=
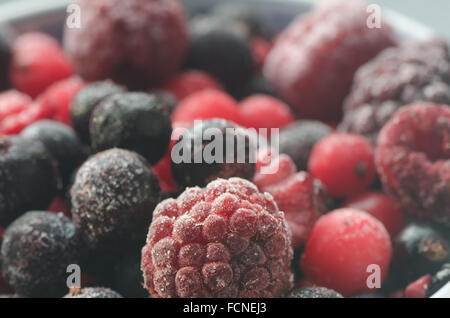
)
(439, 279)
(298, 139)
(133, 121)
(262, 111)
(301, 197)
(59, 96)
(418, 250)
(207, 104)
(134, 42)
(212, 149)
(189, 82)
(36, 250)
(28, 177)
(413, 161)
(221, 49)
(226, 240)
(5, 61)
(342, 245)
(169, 101)
(344, 163)
(113, 196)
(85, 102)
(410, 73)
(61, 142)
(418, 288)
(314, 292)
(257, 85)
(381, 206)
(313, 61)
(37, 62)
(93, 292)
(127, 277)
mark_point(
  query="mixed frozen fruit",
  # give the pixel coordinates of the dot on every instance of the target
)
(88, 131)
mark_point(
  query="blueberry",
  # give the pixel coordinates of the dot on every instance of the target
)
(84, 103)
(61, 142)
(188, 173)
(134, 121)
(36, 250)
(28, 177)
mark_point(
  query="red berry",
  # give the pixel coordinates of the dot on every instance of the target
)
(189, 82)
(342, 245)
(314, 59)
(297, 194)
(226, 240)
(344, 163)
(260, 48)
(382, 207)
(38, 61)
(163, 172)
(418, 288)
(59, 96)
(262, 111)
(207, 104)
(12, 102)
(413, 160)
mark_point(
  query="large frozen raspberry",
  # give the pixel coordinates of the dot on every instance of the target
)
(297, 194)
(139, 43)
(313, 61)
(226, 240)
(413, 160)
(410, 73)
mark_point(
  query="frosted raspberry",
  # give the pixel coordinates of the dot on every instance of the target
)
(413, 160)
(225, 240)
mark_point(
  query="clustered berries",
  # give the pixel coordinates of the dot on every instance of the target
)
(145, 149)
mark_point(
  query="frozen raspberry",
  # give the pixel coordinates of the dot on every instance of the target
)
(189, 82)
(413, 160)
(410, 73)
(221, 49)
(344, 163)
(138, 43)
(38, 61)
(59, 96)
(226, 240)
(12, 102)
(314, 59)
(298, 139)
(381, 206)
(418, 288)
(262, 111)
(5, 60)
(301, 197)
(342, 245)
(207, 104)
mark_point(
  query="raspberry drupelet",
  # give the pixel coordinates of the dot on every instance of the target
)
(225, 240)
(413, 160)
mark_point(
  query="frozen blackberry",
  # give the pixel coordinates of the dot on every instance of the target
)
(113, 196)
(28, 177)
(314, 292)
(134, 121)
(84, 103)
(93, 292)
(412, 72)
(127, 277)
(138, 43)
(418, 250)
(221, 49)
(61, 142)
(169, 101)
(5, 61)
(36, 250)
(413, 161)
(203, 153)
(226, 240)
(298, 139)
